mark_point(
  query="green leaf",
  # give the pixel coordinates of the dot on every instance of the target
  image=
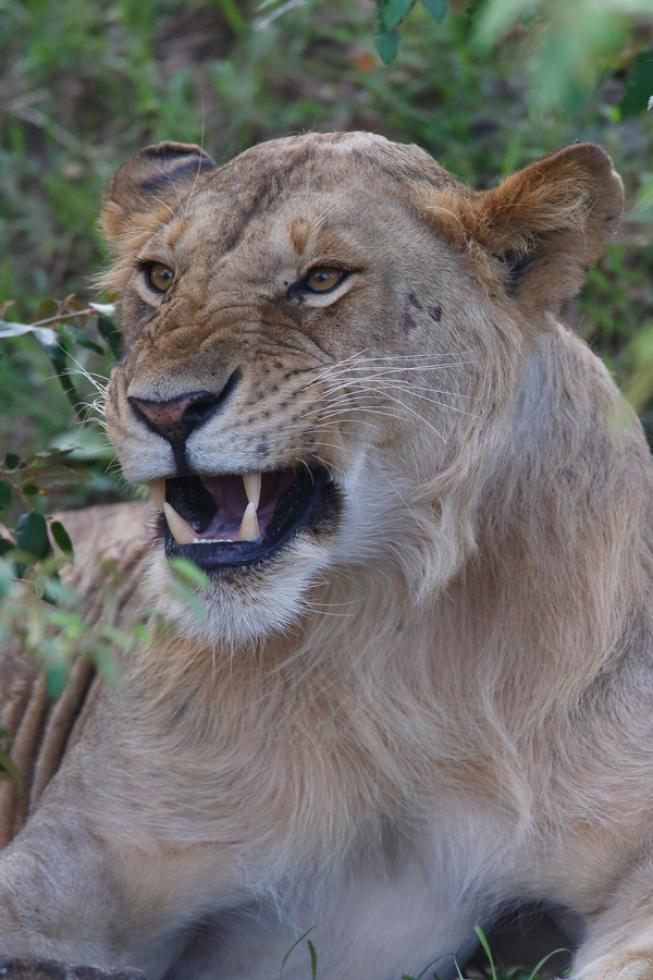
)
(639, 85)
(57, 592)
(482, 938)
(437, 9)
(233, 16)
(32, 534)
(70, 623)
(111, 335)
(141, 633)
(8, 768)
(535, 974)
(6, 579)
(107, 663)
(190, 598)
(114, 636)
(312, 952)
(294, 946)
(643, 208)
(12, 461)
(83, 445)
(82, 338)
(387, 45)
(188, 573)
(5, 494)
(60, 535)
(496, 18)
(58, 354)
(55, 679)
(392, 12)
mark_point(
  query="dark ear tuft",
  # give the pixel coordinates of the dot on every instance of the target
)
(160, 176)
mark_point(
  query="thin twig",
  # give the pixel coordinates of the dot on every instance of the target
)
(62, 317)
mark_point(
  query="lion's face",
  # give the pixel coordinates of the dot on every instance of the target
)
(310, 343)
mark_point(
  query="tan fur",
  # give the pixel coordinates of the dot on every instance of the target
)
(439, 705)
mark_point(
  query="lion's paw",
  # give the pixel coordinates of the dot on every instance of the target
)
(621, 966)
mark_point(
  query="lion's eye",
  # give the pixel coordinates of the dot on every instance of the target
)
(323, 280)
(158, 276)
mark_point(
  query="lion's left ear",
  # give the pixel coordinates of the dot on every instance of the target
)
(548, 222)
(158, 179)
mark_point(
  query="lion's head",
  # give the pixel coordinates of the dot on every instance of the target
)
(322, 341)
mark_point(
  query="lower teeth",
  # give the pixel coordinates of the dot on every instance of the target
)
(213, 541)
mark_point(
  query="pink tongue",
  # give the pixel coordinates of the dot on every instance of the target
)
(231, 500)
(229, 494)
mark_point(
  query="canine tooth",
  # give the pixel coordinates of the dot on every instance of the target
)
(249, 529)
(252, 483)
(181, 531)
(157, 490)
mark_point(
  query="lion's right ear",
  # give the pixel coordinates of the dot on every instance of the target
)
(151, 184)
(542, 227)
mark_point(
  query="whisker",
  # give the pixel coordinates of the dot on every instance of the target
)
(165, 203)
(197, 172)
(382, 371)
(359, 356)
(350, 382)
(346, 415)
(431, 401)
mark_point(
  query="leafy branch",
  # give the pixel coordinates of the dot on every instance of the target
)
(390, 15)
(568, 47)
(61, 328)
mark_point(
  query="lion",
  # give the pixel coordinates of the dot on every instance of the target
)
(421, 685)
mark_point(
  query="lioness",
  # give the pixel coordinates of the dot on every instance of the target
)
(423, 684)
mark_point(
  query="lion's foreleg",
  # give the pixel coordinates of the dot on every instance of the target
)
(67, 894)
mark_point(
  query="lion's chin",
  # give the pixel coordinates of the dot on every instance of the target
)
(244, 609)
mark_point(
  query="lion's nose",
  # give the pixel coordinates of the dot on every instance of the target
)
(176, 418)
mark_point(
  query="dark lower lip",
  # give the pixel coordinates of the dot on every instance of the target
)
(314, 506)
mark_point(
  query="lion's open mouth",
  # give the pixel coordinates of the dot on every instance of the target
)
(233, 519)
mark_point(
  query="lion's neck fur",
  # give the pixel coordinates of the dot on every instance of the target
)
(481, 681)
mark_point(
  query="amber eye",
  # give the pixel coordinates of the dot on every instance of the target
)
(323, 280)
(158, 276)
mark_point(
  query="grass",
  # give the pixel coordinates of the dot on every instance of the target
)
(487, 970)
